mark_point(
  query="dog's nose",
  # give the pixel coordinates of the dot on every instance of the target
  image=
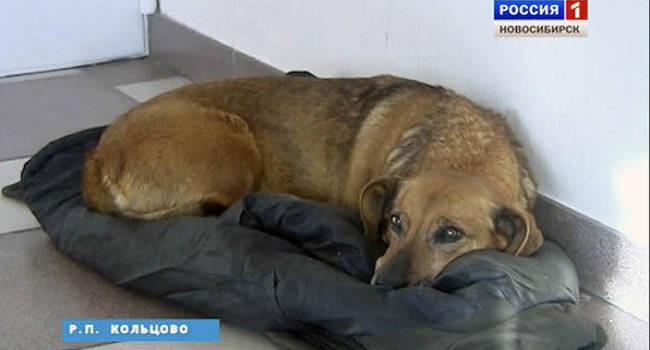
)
(388, 281)
(394, 272)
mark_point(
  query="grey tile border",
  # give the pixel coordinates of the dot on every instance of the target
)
(198, 57)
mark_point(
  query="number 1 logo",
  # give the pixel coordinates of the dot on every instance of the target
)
(576, 10)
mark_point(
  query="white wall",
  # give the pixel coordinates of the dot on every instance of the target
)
(580, 104)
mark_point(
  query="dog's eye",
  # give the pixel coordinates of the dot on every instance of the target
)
(448, 234)
(396, 223)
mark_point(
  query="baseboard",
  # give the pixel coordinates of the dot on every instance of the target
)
(198, 57)
(609, 265)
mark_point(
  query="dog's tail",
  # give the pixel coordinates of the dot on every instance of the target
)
(95, 193)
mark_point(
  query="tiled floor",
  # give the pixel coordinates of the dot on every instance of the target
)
(15, 216)
(39, 286)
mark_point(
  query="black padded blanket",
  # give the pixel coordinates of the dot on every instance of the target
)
(280, 263)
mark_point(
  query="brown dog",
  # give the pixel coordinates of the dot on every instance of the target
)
(431, 173)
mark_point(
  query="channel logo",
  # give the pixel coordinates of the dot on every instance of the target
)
(541, 17)
(577, 10)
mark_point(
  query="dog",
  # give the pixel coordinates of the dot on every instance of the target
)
(431, 173)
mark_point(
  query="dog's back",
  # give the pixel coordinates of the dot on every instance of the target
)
(318, 138)
(306, 128)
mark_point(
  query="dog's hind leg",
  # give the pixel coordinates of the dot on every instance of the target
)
(213, 204)
(176, 159)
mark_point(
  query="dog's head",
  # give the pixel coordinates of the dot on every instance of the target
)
(432, 218)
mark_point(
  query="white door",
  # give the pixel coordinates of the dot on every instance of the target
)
(41, 35)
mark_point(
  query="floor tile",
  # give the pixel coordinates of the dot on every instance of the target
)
(14, 216)
(35, 112)
(128, 71)
(39, 287)
(148, 89)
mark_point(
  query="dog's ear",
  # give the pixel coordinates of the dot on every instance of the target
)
(375, 201)
(519, 230)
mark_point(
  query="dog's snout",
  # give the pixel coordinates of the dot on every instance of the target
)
(394, 272)
(384, 280)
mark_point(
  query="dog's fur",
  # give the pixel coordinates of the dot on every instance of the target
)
(431, 173)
